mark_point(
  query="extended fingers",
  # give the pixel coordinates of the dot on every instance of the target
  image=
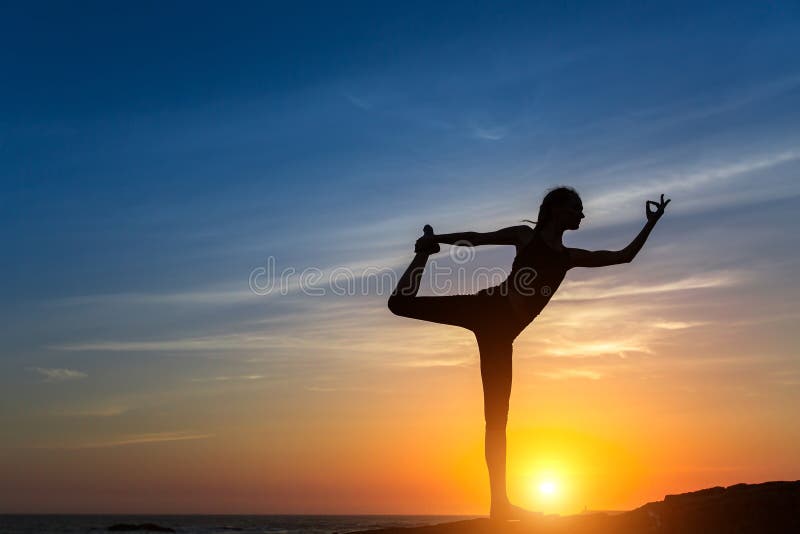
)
(661, 204)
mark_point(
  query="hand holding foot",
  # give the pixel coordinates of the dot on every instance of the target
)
(427, 243)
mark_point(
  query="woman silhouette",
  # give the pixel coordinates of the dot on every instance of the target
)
(498, 314)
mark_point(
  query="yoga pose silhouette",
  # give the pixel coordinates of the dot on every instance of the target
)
(498, 314)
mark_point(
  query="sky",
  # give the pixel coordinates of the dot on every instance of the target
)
(161, 163)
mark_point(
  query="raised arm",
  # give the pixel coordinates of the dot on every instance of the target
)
(601, 258)
(512, 235)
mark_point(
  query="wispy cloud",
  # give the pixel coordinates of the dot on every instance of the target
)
(678, 182)
(691, 110)
(678, 325)
(584, 349)
(359, 102)
(95, 411)
(58, 375)
(606, 288)
(137, 439)
(336, 389)
(436, 362)
(201, 343)
(193, 297)
(489, 134)
(563, 374)
(227, 378)
(324, 327)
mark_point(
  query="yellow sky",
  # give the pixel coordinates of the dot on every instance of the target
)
(616, 401)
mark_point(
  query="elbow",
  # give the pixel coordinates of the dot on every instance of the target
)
(468, 239)
(471, 239)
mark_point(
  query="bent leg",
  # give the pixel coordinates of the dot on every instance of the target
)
(495, 354)
(408, 285)
(456, 310)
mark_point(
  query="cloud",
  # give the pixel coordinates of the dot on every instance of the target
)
(226, 378)
(358, 102)
(436, 362)
(678, 325)
(676, 182)
(196, 297)
(605, 288)
(561, 374)
(695, 109)
(201, 343)
(138, 439)
(331, 328)
(58, 375)
(580, 349)
(95, 411)
(336, 389)
(489, 134)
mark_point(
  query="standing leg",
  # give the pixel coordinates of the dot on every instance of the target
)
(495, 355)
(496, 367)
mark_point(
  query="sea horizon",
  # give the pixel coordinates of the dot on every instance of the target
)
(13, 523)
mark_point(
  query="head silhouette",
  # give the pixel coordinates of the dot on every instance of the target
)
(561, 208)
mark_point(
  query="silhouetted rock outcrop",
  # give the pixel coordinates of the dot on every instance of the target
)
(768, 507)
(771, 507)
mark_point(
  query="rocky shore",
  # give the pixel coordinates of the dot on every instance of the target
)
(768, 508)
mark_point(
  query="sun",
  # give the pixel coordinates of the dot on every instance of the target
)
(547, 487)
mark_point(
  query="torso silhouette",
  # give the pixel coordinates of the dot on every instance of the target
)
(536, 273)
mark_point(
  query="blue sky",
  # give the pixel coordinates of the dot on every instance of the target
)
(153, 155)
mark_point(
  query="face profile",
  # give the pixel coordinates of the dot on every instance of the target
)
(567, 214)
(573, 214)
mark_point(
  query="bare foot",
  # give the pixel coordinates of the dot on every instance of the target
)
(510, 512)
(427, 243)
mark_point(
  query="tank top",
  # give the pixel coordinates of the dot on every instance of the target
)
(536, 273)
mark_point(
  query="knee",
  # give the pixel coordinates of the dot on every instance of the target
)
(397, 305)
(496, 417)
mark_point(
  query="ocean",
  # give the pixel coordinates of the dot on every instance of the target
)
(207, 524)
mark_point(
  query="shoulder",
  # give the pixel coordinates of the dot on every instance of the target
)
(525, 233)
(575, 256)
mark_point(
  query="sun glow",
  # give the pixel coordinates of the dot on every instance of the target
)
(547, 487)
(546, 490)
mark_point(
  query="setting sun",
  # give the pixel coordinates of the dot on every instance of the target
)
(548, 487)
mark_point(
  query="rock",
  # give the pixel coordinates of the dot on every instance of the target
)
(768, 508)
(742, 508)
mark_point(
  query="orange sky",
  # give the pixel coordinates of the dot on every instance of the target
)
(616, 401)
